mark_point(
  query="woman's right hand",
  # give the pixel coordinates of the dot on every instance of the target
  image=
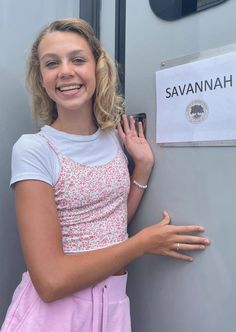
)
(172, 240)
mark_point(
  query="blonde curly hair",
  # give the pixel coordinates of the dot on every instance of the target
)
(108, 104)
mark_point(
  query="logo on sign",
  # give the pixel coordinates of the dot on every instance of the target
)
(197, 111)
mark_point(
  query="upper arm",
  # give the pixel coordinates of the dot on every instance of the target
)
(39, 227)
(32, 158)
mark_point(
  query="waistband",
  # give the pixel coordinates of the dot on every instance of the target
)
(107, 292)
(115, 287)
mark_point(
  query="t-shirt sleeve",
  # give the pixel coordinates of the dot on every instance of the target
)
(32, 159)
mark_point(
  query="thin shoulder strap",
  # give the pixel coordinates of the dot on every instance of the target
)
(52, 146)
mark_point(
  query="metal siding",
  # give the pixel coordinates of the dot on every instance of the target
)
(196, 185)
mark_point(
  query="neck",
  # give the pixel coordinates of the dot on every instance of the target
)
(77, 125)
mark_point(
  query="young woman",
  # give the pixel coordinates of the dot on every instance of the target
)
(74, 195)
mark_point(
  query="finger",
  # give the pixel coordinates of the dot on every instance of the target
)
(187, 247)
(189, 229)
(121, 132)
(132, 125)
(165, 214)
(180, 256)
(140, 130)
(126, 123)
(193, 240)
(166, 219)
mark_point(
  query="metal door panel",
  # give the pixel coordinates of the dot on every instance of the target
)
(195, 184)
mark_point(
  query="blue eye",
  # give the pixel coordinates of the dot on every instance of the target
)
(51, 64)
(78, 61)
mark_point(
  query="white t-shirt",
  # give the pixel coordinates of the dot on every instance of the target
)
(34, 159)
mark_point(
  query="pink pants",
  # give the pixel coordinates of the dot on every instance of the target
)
(102, 308)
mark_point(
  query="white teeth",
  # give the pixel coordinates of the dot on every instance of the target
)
(70, 87)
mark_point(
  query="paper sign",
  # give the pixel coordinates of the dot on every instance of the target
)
(197, 101)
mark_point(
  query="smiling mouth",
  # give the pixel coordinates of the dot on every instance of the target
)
(69, 87)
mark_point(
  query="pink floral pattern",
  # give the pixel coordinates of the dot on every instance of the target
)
(92, 203)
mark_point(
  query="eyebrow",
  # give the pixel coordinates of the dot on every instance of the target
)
(54, 55)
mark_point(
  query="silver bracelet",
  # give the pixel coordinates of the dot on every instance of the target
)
(139, 185)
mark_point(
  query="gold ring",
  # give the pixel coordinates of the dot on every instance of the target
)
(178, 245)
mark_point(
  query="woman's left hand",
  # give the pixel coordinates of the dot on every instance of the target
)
(135, 142)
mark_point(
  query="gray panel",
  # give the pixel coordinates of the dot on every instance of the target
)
(195, 184)
(20, 21)
(107, 33)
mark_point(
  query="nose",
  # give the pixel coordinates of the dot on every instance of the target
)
(66, 70)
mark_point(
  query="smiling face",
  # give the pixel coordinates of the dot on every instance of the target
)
(67, 68)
